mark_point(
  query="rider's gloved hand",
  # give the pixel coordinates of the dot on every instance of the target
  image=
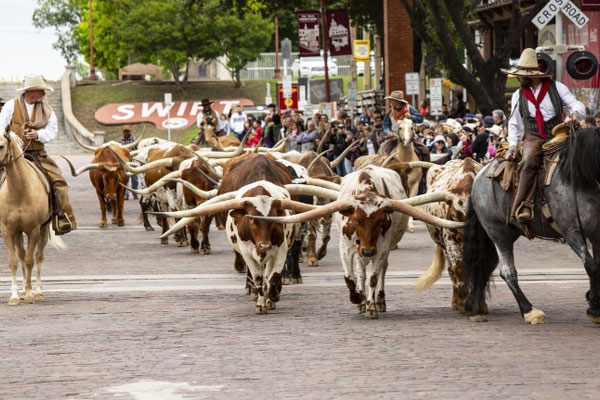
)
(511, 153)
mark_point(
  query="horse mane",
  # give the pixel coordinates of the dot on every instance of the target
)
(579, 163)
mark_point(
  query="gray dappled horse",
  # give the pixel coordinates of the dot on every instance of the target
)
(574, 200)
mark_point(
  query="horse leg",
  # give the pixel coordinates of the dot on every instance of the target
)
(9, 240)
(39, 259)
(20, 248)
(32, 241)
(508, 272)
(577, 242)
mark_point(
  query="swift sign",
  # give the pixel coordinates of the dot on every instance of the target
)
(566, 7)
(176, 115)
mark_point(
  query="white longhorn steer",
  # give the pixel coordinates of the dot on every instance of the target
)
(372, 216)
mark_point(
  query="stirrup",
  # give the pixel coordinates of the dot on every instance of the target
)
(521, 210)
(64, 220)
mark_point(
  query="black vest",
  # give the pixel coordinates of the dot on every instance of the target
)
(529, 121)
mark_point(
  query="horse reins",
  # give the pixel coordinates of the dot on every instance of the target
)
(2, 163)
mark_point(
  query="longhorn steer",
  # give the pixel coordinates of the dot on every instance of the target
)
(456, 177)
(369, 226)
(108, 180)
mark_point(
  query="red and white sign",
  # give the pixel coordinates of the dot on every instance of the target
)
(289, 103)
(183, 113)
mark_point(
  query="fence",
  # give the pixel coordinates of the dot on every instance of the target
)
(264, 67)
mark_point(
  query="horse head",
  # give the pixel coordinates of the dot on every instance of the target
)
(406, 131)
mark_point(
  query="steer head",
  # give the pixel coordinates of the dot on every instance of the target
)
(369, 217)
(110, 175)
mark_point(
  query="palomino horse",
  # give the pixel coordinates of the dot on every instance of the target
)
(574, 200)
(24, 209)
(396, 149)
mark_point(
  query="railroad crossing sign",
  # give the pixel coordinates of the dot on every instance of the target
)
(566, 7)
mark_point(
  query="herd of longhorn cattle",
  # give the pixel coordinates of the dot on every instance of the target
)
(271, 202)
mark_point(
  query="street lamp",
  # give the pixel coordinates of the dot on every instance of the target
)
(92, 76)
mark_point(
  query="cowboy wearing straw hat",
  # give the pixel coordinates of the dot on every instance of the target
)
(537, 108)
(32, 124)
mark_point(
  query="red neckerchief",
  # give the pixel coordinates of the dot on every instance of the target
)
(528, 93)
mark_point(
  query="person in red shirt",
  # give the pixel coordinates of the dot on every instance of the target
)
(255, 135)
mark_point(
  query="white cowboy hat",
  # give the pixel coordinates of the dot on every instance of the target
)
(453, 124)
(35, 82)
(396, 95)
(527, 65)
(495, 130)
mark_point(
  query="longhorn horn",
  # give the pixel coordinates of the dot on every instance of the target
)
(163, 162)
(211, 170)
(82, 169)
(195, 189)
(85, 146)
(317, 212)
(323, 183)
(314, 162)
(340, 158)
(214, 184)
(420, 164)
(388, 159)
(191, 212)
(255, 150)
(430, 198)
(136, 142)
(414, 212)
(309, 190)
(277, 147)
(227, 154)
(156, 185)
(219, 145)
(323, 139)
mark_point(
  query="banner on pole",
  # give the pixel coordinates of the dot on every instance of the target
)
(308, 33)
(338, 32)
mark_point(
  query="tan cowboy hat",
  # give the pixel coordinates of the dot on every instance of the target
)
(453, 124)
(495, 130)
(397, 95)
(35, 82)
(527, 66)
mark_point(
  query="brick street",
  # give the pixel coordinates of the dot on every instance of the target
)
(125, 317)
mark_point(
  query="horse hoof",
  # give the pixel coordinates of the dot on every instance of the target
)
(478, 318)
(381, 307)
(313, 262)
(14, 301)
(149, 228)
(121, 223)
(29, 299)
(103, 225)
(535, 316)
(594, 319)
(164, 241)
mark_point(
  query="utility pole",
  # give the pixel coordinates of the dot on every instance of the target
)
(92, 76)
(325, 45)
(277, 72)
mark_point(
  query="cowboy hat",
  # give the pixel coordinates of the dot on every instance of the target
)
(35, 82)
(126, 128)
(207, 102)
(452, 123)
(495, 130)
(396, 95)
(527, 66)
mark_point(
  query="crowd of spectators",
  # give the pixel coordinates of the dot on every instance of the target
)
(455, 133)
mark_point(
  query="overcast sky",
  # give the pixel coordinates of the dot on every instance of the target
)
(23, 48)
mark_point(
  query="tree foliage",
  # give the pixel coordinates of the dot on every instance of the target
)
(63, 16)
(439, 22)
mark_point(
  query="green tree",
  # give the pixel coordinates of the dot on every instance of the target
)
(438, 23)
(240, 40)
(63, 16)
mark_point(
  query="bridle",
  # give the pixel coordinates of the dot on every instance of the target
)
(4, 163)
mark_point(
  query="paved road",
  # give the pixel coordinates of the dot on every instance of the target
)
(127, 318)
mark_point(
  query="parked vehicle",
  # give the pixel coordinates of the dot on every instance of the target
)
(314, 66)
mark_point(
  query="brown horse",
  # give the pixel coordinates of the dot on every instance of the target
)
(24, 209)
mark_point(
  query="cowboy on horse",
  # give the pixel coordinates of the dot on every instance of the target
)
(537, 108)
(32, 124)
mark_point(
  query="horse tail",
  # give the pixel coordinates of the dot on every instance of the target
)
(434, 272)
(56, 241)
(480, 260)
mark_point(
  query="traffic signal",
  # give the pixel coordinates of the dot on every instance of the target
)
(582, 65)
(546, 64)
